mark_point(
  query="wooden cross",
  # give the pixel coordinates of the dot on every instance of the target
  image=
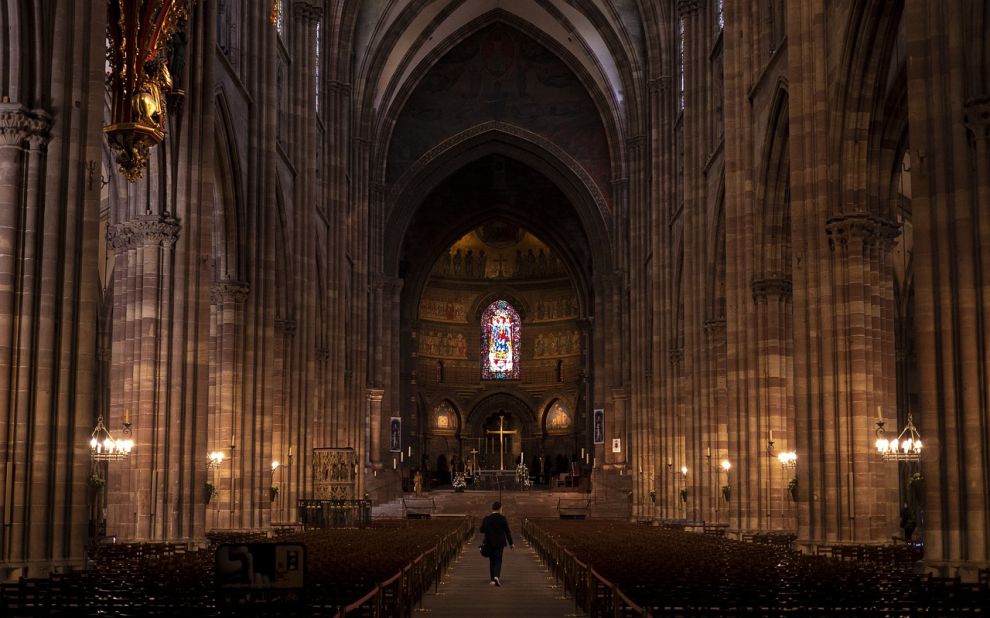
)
(502, 432)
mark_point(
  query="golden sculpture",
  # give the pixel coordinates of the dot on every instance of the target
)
(139, 34)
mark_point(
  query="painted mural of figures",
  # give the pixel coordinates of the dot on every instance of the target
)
(530, 264)
(469, 264)
(518, 272)
(482, 265)
(541, 263)
(458, 263)
(540, 346)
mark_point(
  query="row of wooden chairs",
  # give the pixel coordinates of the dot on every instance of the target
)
(667, 572)
(380, 570)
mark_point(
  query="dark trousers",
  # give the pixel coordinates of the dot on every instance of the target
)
(495, 562)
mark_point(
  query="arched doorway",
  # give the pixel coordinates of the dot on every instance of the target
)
(502, 427)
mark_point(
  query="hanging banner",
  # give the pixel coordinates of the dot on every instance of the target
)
(600, 426)
(395, 434)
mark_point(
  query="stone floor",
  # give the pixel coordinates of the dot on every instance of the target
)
(525, 592)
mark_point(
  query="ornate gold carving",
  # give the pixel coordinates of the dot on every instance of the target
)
(334, 476)
(139, 78)
(155, 230)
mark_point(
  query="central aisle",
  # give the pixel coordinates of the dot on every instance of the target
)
(525, 590)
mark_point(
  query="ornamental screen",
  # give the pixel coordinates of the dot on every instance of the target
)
(500, 330)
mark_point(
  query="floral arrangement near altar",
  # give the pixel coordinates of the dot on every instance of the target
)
(522, 476)
(459, 483)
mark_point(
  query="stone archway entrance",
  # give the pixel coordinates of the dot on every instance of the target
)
(500, 427)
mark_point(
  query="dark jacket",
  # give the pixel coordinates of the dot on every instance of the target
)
(495, 527)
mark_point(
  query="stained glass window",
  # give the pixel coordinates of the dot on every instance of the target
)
(500, 334)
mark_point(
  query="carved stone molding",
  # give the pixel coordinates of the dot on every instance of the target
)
(676, 356)
(715, 327)
(143, 231)
(229, 291)
(285, 326)
(686, 7)
(495, 126)
(323, 353)
(307, 11)
(776, 285)
(619, 393)
(19, 124)
(869, 229)
(976, 117)
(338, 88)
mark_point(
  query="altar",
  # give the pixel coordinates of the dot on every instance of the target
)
(494, 479)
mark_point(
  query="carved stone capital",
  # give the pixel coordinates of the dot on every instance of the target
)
(376, 394)
(19, 124)
(308, 12)
(338, 88)
(686, 7)
(767, 285)
(229, 291)
(868, 229)
(619, 393)
(715, 327)
(285, 326)
(143, 231)
(976, 117)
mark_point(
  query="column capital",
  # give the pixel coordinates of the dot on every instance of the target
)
(143, 231)
(229, 291)
(619, 393)
(659, 84)
(976, 117)
(307, 11)
(686, 7)
(375, 394)
(771, 284)
(864, 227)
(285, 326)
(715, 327)
(338, 88)
(19, 124)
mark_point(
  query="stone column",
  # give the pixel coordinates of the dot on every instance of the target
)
(143, 248)
(376, 451)
(717, 425)
(616, 428)
(226, 323)
(949, 123)
(774, 419)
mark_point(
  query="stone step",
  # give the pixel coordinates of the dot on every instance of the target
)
(516, 505)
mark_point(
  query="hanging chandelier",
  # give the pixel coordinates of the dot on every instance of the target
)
(138, 38)
(905, 447)
(788, 459)
(104, 447)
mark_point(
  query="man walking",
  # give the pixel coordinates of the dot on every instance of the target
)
(495, 527)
